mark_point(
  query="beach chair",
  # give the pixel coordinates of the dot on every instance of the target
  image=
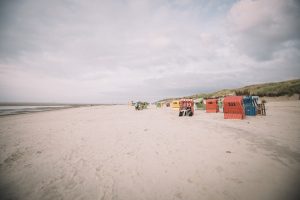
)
(186, 107)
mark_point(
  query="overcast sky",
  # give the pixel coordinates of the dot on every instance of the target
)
(114, 51)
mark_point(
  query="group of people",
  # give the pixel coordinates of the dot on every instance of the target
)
(140, 105)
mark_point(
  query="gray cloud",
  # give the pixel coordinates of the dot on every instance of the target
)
(264, 27)
(116, 51)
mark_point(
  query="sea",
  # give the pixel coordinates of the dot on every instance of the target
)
(22, 109)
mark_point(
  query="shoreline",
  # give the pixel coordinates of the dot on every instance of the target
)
(44, 108)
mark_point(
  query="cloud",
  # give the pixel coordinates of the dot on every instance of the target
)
(263, 27)
(116, 51)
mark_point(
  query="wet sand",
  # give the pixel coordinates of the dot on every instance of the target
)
(115, 152)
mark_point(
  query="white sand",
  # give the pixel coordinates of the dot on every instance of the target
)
(115, 152)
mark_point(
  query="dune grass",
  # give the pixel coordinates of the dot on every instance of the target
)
(274, 89)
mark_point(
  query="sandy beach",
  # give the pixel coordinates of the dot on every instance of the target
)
(115, 152)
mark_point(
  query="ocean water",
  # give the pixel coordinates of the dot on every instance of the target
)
(21, 109)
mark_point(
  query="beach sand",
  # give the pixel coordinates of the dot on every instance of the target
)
(115, 152)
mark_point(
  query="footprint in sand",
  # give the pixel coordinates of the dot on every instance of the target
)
(178, 195)
(189, 180)
(13, 158)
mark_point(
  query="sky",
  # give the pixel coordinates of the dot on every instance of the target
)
(115, 51)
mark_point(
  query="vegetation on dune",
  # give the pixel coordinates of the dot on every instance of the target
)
(271, 89)
(283, 88)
